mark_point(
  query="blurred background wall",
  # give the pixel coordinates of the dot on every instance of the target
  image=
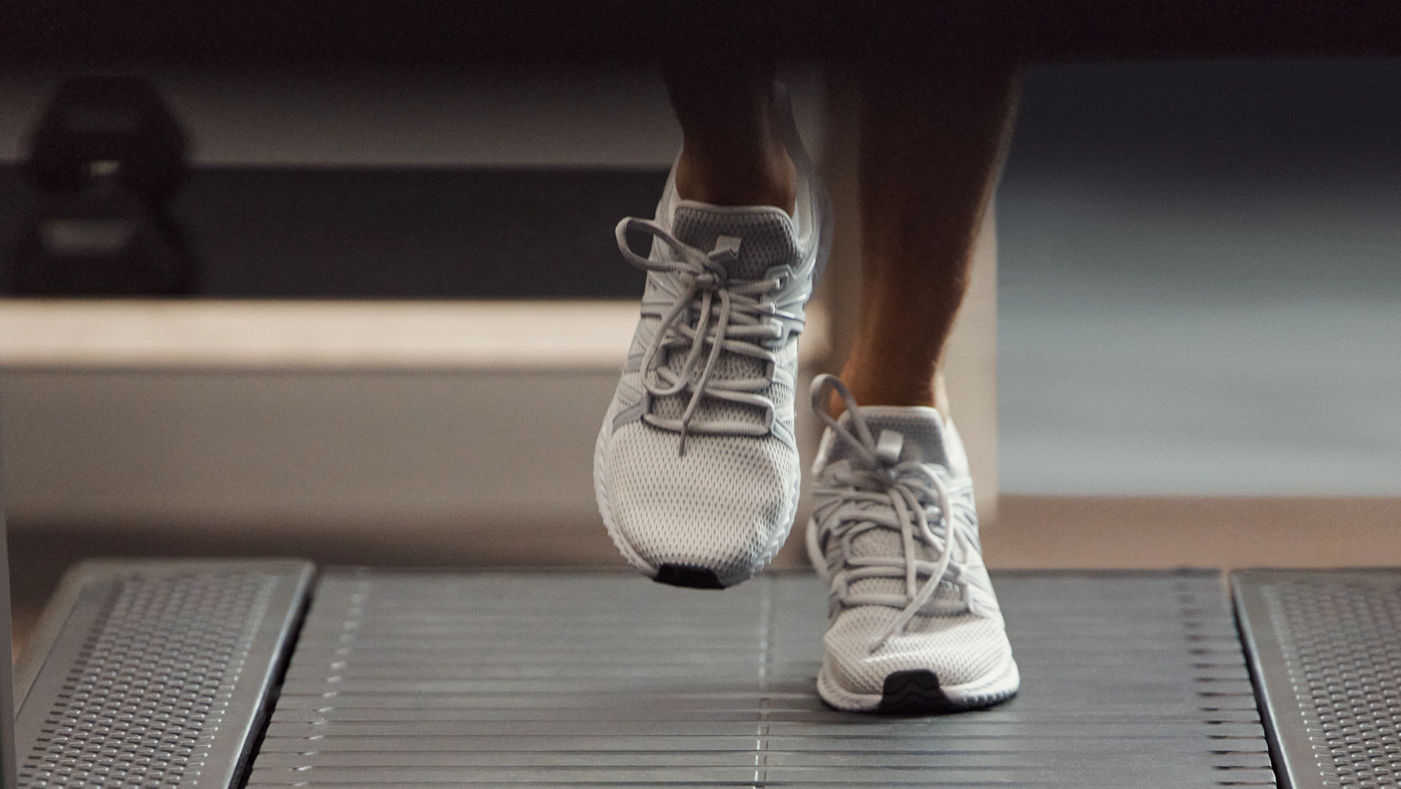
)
(1200, 281)
(1196, 341)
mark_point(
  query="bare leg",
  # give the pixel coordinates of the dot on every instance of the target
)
(732, 152)
(932, 139)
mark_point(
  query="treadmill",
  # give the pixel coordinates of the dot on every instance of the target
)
(266, 673)
(272, 673)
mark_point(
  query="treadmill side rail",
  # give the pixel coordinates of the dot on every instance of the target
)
(1324, 648)
(156, 672)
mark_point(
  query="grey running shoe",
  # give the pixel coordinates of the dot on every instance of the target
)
(696, 468)
(915, 625)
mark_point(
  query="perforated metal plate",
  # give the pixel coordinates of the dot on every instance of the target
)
(157, 673)
(569, 679)
(1325, 648)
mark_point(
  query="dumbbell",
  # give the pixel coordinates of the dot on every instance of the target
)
(104, 161)
(98, 241)
(108, 127)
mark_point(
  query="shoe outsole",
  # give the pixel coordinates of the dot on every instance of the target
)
(688, 576)
(906, 692)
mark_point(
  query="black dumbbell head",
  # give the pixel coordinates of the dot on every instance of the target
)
(108, 127)
(100, 241)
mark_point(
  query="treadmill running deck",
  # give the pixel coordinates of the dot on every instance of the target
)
(168, 673)
(561, 679)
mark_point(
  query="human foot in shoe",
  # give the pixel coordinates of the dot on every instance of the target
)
(696, 467)
(914, 623)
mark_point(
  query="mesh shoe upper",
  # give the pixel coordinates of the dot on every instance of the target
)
(895, 532)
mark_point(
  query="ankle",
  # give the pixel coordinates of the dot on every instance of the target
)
(763, 177)
(870, 390)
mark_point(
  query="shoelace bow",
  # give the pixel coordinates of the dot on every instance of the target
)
(732, 316)
(887, 493)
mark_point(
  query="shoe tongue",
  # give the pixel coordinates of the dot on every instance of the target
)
(765, 235)
(765, 239)
(920, 429)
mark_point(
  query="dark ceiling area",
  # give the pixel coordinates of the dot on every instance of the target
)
(87, 32)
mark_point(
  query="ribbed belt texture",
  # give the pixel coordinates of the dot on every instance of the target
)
(572, 679)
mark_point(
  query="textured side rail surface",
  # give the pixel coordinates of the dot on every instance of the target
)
(558, 679)
(157, 673)
(1325, 650)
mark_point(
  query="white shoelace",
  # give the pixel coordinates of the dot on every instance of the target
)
(732, 316)
(886, 493)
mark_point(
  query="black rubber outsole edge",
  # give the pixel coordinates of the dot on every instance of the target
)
(687, 576)
(913, 692)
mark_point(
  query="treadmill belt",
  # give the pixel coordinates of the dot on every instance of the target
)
(1325, 647)
(590, 678)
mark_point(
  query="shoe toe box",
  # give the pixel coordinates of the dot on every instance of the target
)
(722, 505)
(959, 650)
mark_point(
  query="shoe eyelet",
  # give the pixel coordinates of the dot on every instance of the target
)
(841, 586)
(780, 333)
